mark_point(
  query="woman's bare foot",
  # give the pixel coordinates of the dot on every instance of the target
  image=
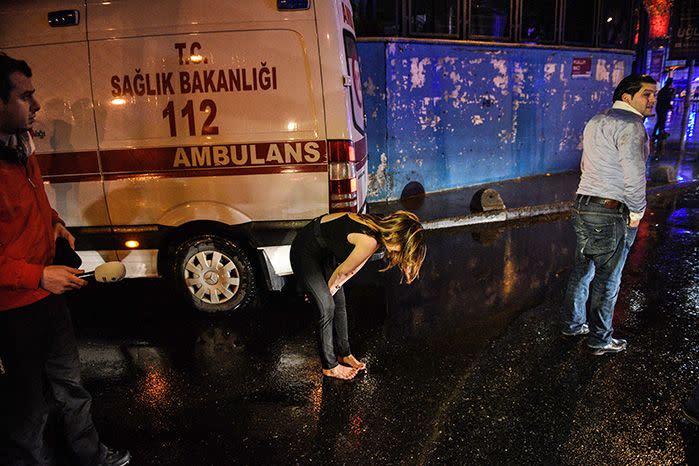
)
(352, 362)
(340, 372)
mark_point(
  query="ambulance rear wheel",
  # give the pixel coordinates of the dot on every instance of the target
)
(214, 274)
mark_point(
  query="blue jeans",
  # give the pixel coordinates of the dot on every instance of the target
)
(603, 243)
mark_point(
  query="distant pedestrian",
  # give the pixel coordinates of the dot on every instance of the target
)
(664, 105)
(41, 368)
(610, 202)
(329, 251)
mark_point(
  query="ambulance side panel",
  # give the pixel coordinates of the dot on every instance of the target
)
(223, 125)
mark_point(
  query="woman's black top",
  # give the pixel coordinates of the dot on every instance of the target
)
(335, 233)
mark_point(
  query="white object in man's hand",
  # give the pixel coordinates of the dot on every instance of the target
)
(109, 272)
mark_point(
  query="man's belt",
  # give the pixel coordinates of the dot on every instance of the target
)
(604, 202)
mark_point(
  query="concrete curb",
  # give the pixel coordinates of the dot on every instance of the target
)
(517, 213)
(499, 216)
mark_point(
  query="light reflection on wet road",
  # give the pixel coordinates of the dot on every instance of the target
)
(465, 367)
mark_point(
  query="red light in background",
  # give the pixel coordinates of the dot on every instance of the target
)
(659, 14)
(659, 26)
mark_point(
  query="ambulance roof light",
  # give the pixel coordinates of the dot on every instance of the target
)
(293, 4)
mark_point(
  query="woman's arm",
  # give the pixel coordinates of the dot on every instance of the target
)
(364, 247)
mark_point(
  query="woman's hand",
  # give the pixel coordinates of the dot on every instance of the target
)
(364, 247)
(334, 289)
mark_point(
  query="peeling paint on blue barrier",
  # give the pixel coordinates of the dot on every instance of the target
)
(451, 115)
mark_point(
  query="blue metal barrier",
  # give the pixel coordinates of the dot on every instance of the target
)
(450, 114)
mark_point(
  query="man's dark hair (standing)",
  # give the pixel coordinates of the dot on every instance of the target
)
(9, 65)
(632, 84)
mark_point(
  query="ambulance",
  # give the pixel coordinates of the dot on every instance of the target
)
(191, 139)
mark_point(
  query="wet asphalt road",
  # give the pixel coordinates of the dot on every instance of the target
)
(465, 367)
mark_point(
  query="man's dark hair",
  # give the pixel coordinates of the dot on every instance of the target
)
(632, 84)
(9, 65)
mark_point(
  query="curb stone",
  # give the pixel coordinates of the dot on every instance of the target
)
(529, 211)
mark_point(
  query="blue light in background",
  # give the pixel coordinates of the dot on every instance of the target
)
(690, 122)
(680, 231)
(649, 124)
(678, 216)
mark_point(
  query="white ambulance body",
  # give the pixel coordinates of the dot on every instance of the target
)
(193, 138)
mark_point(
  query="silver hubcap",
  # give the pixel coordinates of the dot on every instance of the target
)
(212, 277)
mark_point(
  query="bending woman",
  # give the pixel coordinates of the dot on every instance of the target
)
(350, 240)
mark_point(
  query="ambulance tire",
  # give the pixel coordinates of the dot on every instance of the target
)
(214, 274)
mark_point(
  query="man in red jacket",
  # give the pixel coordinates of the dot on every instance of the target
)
(40, 366)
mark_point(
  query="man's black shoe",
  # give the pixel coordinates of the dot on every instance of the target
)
(117, 457)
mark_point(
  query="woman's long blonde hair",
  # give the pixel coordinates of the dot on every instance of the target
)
(403, 229)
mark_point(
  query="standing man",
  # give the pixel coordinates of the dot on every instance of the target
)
(41, 368)
(610, 202)
(665, 96)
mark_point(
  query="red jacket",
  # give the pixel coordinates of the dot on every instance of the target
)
(27, 242)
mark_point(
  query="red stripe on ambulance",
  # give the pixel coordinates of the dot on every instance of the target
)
(69, 163)
(214, 156)
(210, 160)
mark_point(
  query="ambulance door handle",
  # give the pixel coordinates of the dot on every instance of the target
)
(63, 18)
(346, 80)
